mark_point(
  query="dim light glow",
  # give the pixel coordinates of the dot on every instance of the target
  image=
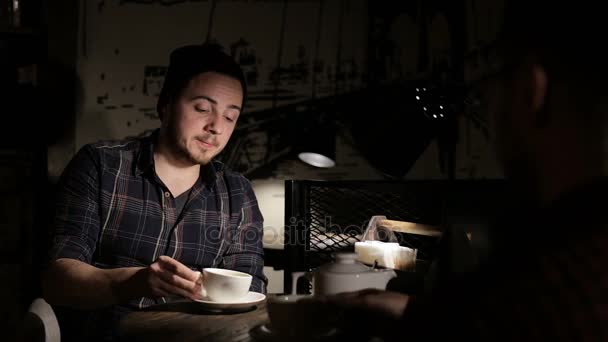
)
(316, 159)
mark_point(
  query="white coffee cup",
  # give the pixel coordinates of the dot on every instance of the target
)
(221, 285)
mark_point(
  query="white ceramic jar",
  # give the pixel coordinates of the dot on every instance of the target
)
(345, 274)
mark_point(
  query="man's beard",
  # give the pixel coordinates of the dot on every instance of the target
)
(179, 148)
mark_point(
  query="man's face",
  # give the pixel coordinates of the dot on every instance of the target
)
(201, 120)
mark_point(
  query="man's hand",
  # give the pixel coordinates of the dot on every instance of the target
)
(385, 303)
(166, 277)
(73, 283)
(368, 313)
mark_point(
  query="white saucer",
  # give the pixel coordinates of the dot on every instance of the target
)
(264, 332)
(250, 299)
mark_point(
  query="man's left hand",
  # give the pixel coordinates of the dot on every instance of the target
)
(386, 303)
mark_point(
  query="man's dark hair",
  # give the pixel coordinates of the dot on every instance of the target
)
(566, 38)
(188, 61)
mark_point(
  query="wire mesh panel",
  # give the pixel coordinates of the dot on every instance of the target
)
(327, 217)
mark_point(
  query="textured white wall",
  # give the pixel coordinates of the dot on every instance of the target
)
(119, 40)
(122, 45)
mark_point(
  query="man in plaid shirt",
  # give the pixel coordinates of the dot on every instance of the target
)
(137, 220)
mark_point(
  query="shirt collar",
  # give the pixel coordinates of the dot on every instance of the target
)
(145, 157)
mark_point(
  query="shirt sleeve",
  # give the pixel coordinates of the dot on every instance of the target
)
(246, 252)
(76, 224)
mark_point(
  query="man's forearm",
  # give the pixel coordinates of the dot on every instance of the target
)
(72, 283)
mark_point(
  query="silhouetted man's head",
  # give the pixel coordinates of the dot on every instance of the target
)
(547, 99)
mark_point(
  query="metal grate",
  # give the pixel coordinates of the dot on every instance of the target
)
(323, 217)
(338, 214)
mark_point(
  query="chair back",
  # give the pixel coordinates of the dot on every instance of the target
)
(40, 323)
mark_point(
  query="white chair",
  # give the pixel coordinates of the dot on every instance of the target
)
(40, 323)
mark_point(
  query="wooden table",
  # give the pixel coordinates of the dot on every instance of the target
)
(187, 321)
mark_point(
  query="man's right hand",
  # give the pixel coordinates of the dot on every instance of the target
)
(166, 277)
(73, 283)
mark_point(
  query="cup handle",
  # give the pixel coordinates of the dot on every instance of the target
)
(294, 281)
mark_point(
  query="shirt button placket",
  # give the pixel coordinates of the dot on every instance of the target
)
(166, 206)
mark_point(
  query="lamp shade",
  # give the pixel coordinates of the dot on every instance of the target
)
(405, 121)
(318, 147)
